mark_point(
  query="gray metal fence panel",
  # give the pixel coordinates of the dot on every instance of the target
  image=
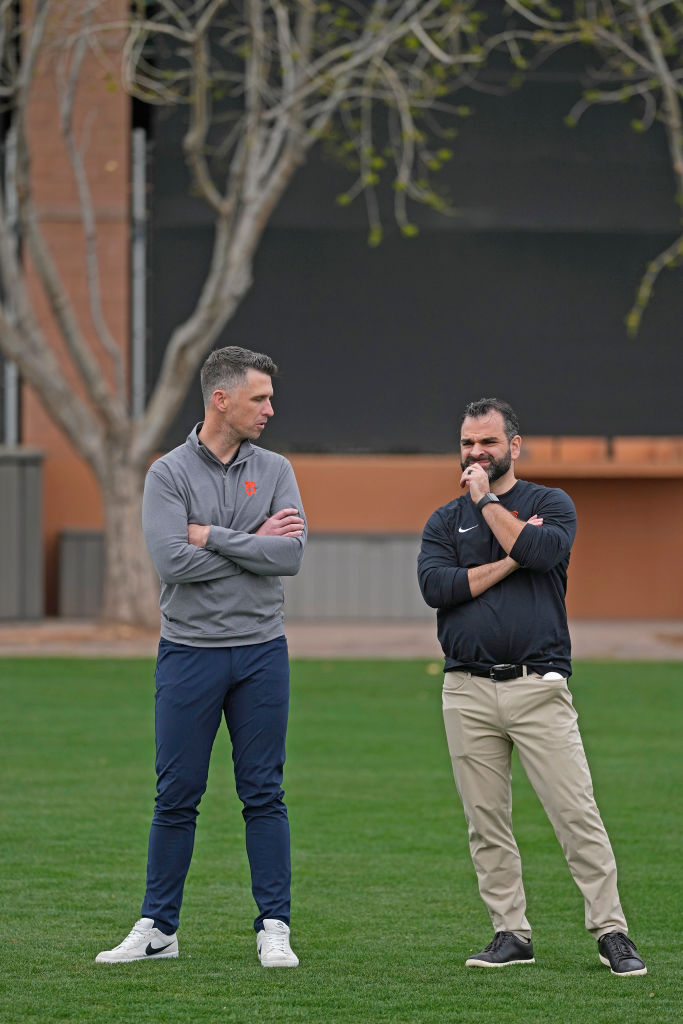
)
(81, 573)
(33, 554)
(357, 577)
(21, 540)
(344, 576)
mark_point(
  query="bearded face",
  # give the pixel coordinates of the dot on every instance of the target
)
(494, 468)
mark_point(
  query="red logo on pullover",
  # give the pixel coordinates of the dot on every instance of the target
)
(250, 486)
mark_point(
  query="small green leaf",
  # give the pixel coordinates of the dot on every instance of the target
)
(633, 322)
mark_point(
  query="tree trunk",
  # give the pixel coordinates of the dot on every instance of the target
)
(131, 586)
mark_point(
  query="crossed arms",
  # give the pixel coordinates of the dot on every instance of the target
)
(267, 552)
(445, 583)
(194, 553)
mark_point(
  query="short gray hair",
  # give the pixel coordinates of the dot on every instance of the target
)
(486, 405)
(226, 368)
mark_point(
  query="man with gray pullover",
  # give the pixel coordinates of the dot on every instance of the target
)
(223, 521)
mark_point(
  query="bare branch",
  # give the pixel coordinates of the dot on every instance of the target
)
(23, 342)
(188, 343)
(40, 369)
(666, 260)
(672, 93)
(111, 409)
(633, 41)
(70, 78)
(529, 15)
(194, 143)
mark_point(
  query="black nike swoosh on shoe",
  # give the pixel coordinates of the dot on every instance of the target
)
(151, 951)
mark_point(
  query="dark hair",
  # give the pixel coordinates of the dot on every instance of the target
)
(487, 405)
(226, 368)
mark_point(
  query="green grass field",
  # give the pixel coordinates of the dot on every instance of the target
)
(385, 906)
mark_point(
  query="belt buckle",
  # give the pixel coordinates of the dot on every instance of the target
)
(501, 673)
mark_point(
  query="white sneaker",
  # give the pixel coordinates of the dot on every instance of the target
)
(273, 945)
(145, 942)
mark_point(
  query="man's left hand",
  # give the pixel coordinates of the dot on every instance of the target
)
(197, 535)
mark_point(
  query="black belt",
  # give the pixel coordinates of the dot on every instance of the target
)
(500, 673)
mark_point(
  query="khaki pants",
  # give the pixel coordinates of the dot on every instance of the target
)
(483, 721)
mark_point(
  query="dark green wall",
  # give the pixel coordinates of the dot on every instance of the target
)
(523, 294)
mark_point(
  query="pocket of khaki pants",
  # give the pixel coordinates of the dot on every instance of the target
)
(454, 681)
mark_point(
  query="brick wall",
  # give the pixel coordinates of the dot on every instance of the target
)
(102, 121)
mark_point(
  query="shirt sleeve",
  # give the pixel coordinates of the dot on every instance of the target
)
(442, 581)
(541, 548)
(266, 556)
(164, 524)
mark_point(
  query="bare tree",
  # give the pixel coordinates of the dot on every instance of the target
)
(262, 82)
(374, 79)
(637, 47)
(93, 411)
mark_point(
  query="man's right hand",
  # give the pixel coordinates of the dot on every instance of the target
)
(285, 523)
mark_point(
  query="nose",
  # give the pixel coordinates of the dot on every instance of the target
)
(268, 409)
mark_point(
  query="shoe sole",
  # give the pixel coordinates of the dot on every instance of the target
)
(622, 974)
(137, 959)
(506, 963)
(280, 963)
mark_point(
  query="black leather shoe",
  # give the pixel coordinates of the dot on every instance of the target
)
(505, 948)
(619, 954)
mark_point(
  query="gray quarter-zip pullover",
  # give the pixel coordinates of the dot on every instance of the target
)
(228, 593)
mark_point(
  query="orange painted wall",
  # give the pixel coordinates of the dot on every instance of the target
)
(628, 554)
(625, 564)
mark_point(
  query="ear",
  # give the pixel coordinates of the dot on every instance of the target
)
(515, 447)
(220, 400)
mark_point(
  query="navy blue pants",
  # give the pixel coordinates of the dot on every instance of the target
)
(195, 687)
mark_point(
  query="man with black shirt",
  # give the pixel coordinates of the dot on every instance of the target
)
(493, 562)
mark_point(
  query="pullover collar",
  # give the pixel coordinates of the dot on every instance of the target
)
(243, 452)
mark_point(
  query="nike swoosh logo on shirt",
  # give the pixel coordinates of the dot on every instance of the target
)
(151, 951)
(460, 529)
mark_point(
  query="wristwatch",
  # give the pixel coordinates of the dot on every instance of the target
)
(489, 497)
